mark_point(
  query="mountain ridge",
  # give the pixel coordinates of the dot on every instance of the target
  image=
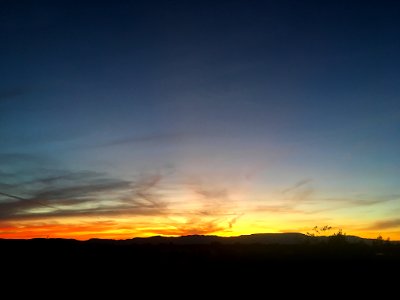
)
(287, 238)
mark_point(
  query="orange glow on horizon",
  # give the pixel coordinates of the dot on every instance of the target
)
(195, 210)
(115, 230)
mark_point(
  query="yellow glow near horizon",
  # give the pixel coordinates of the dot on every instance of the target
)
(205, 209)
(125, 228)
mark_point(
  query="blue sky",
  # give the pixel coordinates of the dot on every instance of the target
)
(242, 98)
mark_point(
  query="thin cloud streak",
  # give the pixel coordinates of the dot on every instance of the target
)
(299, 184)
(234, 220)
(149, 139)
(385, 224)
(86, 194)
(209, 207)
(361, 202)
(190, 227)
(23, 200)
(98, 194)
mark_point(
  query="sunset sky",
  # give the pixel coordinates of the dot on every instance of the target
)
(121, 119)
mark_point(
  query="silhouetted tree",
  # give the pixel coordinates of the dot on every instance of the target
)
(318, 231)
(378, 241)
(338, 238)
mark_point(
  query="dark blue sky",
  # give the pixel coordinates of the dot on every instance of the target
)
(291, 89)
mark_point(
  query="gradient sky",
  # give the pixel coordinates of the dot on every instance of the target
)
(139, 118)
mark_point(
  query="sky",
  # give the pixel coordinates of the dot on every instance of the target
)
(123, 119)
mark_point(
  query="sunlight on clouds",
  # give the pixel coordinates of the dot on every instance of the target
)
(87, 204)
(40, 210)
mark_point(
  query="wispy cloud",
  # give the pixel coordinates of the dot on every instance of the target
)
(215, 210)
(385, 224)
(156, 138)
(65, 176)
(297, 185)
(360, 201)
(54, 229)
(83, 194)
(234, 220)
(282, 209)
(300, 192)
(54, 195)
(191, 226)
(212, 193)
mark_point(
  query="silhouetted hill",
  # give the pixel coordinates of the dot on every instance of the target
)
(259, 238)
(199, 249)
(248, 247)
(208, 258)
(252, 239)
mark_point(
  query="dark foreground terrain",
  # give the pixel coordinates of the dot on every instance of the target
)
(205, 260)
(200, 251)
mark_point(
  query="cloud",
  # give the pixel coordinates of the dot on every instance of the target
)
(214, 209)
(212, 193)
(81, 191)
(212, 200)
(64, 176)
(285, 208)
(84, 194)
(149, 139)
(190, 227)
(300, 192)
(386, 224)
(23, 200)
(144, 193)
(53, 229)
(233, 221)
(297, 185)
(362, 201)
(60, 194)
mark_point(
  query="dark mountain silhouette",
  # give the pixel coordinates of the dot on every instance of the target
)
(261, 238)
(258, 238)
(193, 249)
(200, 260)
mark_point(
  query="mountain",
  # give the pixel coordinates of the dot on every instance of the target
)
(274, 252)
(292, 238)
(201, 260)
(260, 238)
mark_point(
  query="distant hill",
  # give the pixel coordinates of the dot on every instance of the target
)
(275, 252)
(293, 238)
(260, 238)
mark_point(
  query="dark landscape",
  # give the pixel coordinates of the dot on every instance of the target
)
(204, 263)
(135, 136)
(204, 251)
